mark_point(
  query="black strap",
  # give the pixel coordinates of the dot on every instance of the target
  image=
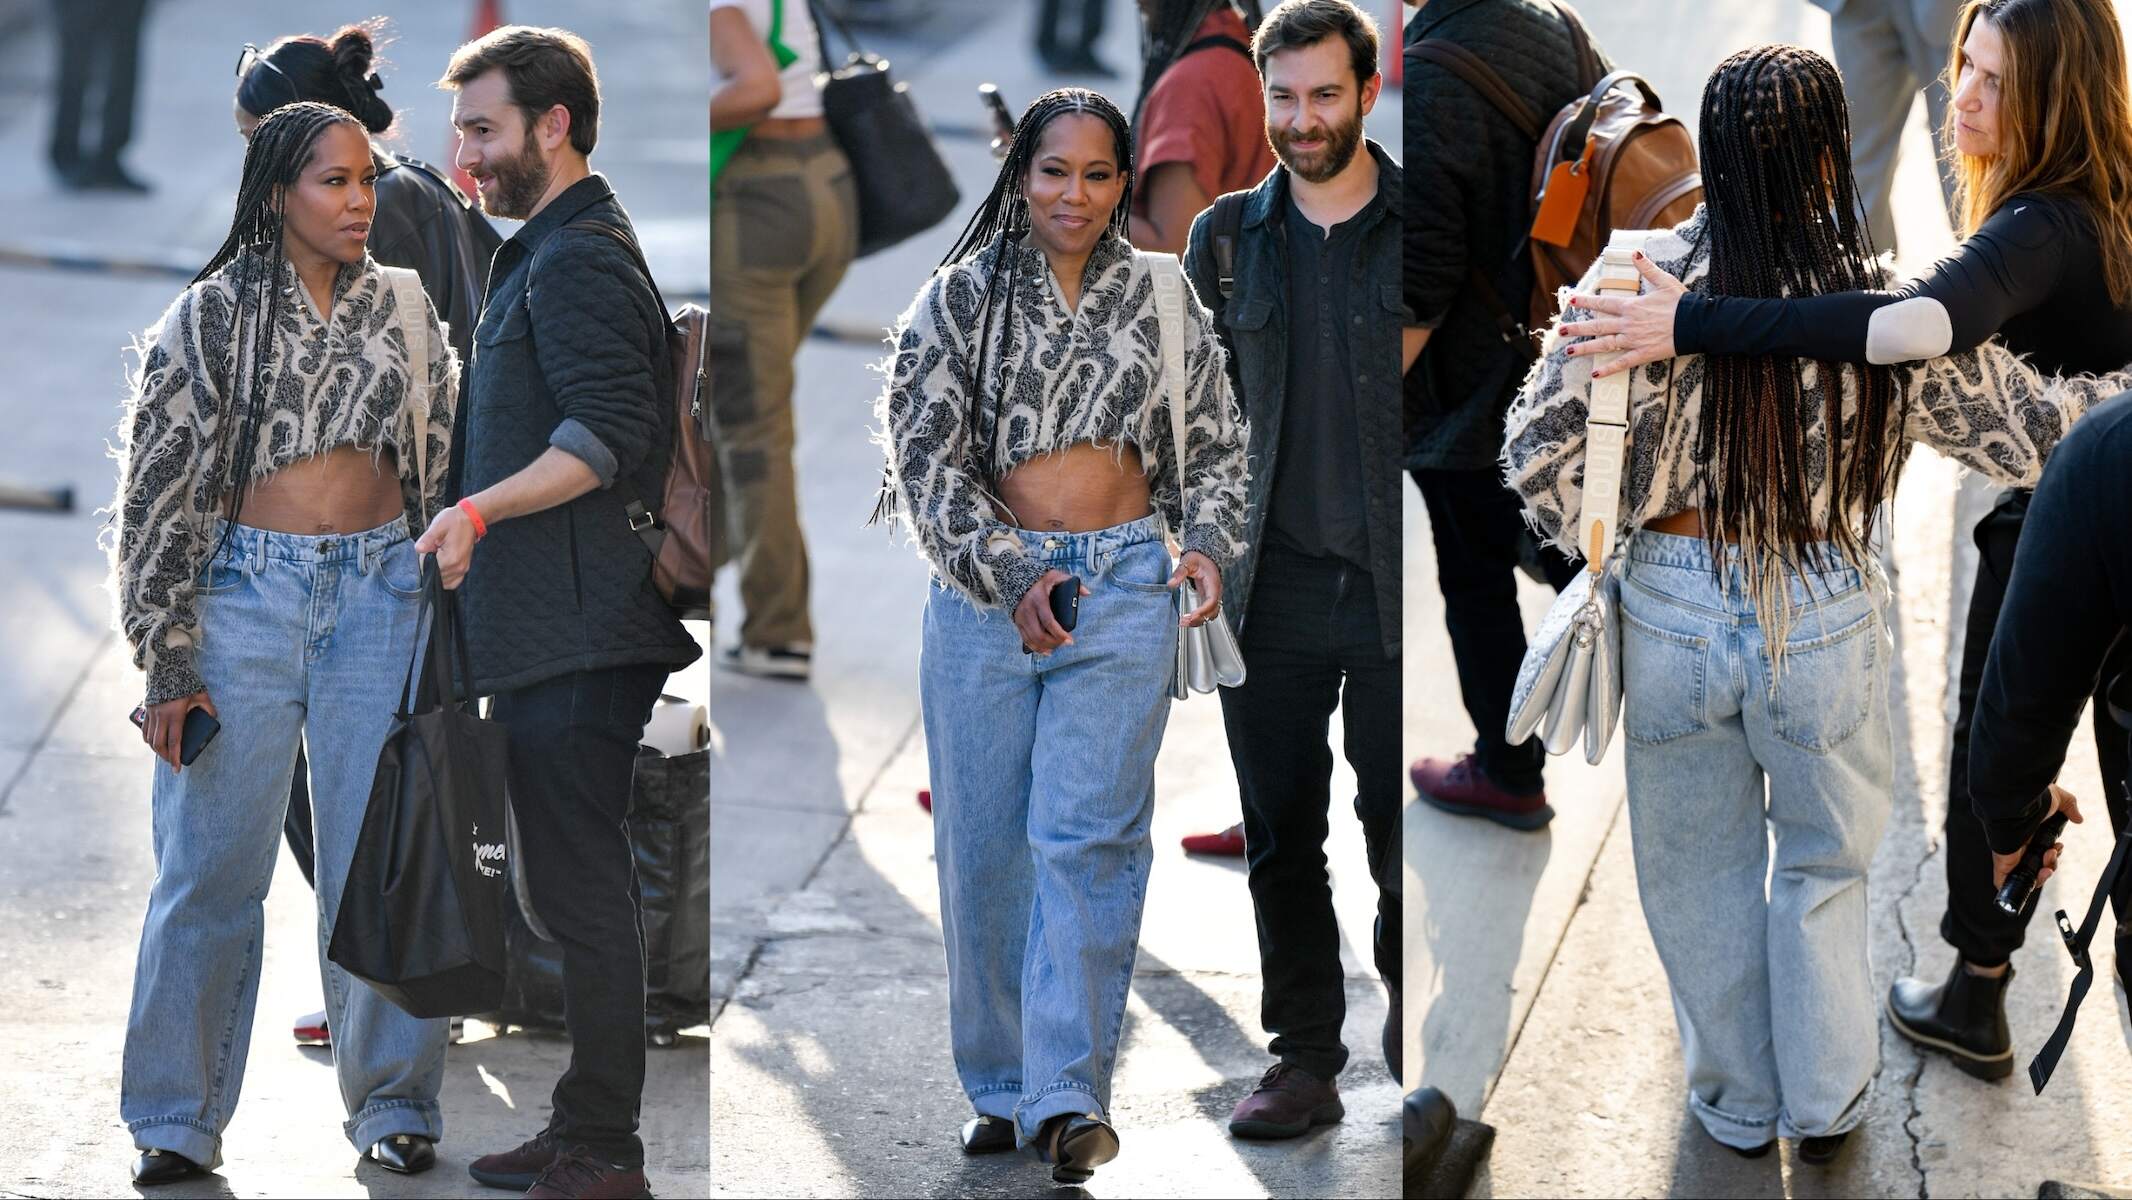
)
(446, 643)
(2076, 944)
(1227, 223)
(821, 43)
(1217, 40)
(1580, 40)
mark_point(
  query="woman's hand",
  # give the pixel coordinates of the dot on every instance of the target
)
(451, 538)
(1207, 578)
(2003, 865)
(164, 726)
(1032, 617)
(1641, 327)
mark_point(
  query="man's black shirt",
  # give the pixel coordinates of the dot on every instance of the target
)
(1317, 498)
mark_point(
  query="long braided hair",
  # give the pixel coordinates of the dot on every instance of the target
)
(280, 148)
(1169, 30)
(1785, 220)
(1001, 225)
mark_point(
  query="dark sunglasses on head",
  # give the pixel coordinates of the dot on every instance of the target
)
(252, 55)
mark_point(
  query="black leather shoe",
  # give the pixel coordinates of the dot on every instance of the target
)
(1750, 1151)
(163, 1166)
(1426, 1119)
(987, 1135)
(1394, 1042)
(1963, 1018)
(1821, 1151)
(405, 1153)
(1075, 1145)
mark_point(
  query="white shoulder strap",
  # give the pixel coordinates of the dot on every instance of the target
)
(1168, 275)
(1607, 424)
(412, 304)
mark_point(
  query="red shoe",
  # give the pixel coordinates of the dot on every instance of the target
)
(1461, 789)
(311, 1030)
(925, 799)
(1229, 843)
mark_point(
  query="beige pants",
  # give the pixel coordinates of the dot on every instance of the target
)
(784, 226)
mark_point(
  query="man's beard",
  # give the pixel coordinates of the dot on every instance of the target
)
(520, 180)
(1317, 166)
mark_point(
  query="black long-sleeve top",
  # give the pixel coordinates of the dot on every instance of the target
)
(2069, 600)
(2032, 274)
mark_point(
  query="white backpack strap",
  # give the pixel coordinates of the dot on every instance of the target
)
(413, 303)
(1168, 275)
(1607, 422)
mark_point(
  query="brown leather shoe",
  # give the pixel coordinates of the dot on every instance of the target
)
(577, 1175)
(1288, 1102)
(516, 1169)
(1462, 789)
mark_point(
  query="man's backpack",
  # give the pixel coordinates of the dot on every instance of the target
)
(678, 533)
(1611, 159)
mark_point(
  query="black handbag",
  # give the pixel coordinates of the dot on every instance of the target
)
(421, 918)
(903, 183)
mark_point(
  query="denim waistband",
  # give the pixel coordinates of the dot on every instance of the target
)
(248, 543)
(1091, 546)
(1817, 560)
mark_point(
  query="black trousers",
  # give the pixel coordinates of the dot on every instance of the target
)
(1974, 924)
(1478, 527)
(1053, 15)
(99, 45)
(1311, 643)
(573, 754)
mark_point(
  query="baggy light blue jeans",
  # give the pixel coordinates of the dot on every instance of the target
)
(300, 637)
(1043, 771)
(1767, 961)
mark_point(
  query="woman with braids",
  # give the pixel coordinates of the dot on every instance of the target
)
(1027, 426)
(2042, 125)
(1754, 648)
(264, 572)
(1199, 125)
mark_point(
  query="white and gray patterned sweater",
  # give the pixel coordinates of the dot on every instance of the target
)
(342, 382)
(1985, 408)
(1093, 374)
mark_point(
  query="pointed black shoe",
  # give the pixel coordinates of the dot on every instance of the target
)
(1821, 1151)
(163, 1166)
(405, 1154)
(987, 1135)
(1075, 1145)
(1963, 1018)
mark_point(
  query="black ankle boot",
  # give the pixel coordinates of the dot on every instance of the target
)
(1963, 1018)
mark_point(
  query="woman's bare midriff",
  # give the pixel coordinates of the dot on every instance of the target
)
(1085, 486)
(344, 490)
(1688, 522)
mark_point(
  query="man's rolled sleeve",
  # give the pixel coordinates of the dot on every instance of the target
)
(575, 438)
(590, 338)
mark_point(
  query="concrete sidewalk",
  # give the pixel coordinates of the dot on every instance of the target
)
(75, 862)
(831, 1073)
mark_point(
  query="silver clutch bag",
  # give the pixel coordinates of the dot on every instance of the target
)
(1570, 682)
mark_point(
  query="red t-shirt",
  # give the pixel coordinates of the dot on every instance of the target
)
(1207, 110)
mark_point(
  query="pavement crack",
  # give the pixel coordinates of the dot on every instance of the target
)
(1917, 1069)
(59, 712)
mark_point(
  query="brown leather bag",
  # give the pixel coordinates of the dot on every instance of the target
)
(1611, 159)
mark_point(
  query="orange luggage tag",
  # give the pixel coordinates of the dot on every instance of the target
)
(1563, 202)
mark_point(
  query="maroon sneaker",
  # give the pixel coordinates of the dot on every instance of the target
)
(577, 1175)
(1461, 789)
(1229, 843)
(516, 1169)
(1288, 1102)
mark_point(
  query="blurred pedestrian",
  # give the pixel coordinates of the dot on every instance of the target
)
(99, 54)
(423, 222)
(784, 227)
(1076, 57)
(1888, 50)
(1028, 461)
(266, 576)
(1312, 331)
(1200, 125)
(572, 420)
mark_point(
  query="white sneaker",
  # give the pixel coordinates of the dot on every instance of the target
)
(794, 661)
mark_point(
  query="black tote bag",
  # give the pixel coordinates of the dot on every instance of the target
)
(421, 917)
(903, 184)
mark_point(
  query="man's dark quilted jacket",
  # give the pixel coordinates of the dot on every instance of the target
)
(1469, 198)
(578, 361)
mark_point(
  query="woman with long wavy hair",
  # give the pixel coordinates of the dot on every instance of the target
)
(1027, 425)
(265, 573)
(1755, 651)
(2041, 121)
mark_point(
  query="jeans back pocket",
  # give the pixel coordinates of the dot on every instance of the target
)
(1824, 685)
(1662, 674)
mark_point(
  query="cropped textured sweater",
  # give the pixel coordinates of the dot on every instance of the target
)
(1092, 374)
(338, 382)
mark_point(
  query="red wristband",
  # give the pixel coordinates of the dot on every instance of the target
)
(481, 527)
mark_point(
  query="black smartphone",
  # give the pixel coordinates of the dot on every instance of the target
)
(1066, 602)
(200, 729)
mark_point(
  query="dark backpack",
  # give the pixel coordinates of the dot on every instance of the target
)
(1613, 156)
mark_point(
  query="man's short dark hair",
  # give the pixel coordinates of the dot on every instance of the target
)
(544, 68)
(1299, 23)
